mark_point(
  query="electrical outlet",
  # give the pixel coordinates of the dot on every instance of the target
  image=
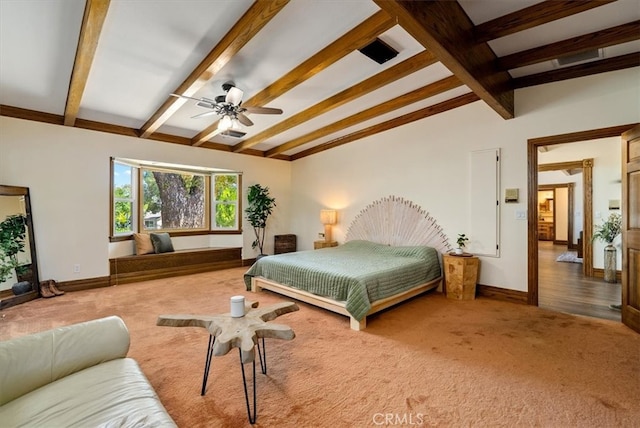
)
(76, 268)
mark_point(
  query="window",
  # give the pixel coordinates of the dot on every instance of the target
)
(225, 201)
(123, 211)
(151, 197)
(174, 200)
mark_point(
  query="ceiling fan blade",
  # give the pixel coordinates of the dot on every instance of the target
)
(234, 96)
(205, 114)
(244, 120)
(205, 104)
(189, 98)
(263, 110)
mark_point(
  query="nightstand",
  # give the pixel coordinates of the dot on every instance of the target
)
(461, 276)
(284, 244)
(323, 244)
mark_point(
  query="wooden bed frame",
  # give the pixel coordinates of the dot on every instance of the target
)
(259, 283)
(390, 221)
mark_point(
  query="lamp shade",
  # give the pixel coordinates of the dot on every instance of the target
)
(328, 217)
(225, 123)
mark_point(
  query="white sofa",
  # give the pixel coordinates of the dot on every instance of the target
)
(76, 376)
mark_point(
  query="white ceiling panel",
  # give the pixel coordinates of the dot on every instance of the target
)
(38, 42)
(147, 48)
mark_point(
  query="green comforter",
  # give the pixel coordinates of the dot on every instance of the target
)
(358, 272)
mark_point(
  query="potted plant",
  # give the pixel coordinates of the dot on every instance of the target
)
(257, 212)
(607, 233)
(13, 232)
(462, 242)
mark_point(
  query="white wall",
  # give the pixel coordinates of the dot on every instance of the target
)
(68, 170)
(427, 163)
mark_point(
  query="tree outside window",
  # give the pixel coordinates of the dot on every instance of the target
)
(173, 200)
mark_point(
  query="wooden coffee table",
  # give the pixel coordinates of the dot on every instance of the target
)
(227, 332)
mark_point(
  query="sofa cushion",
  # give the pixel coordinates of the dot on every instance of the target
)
(112, 394)
(32, 361)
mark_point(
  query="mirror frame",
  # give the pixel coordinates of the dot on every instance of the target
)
(35, 284)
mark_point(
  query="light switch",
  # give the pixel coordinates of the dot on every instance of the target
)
(521, 215)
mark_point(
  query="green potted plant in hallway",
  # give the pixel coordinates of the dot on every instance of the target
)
(259, 209)
(607, 232)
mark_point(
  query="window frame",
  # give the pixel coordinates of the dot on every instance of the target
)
(137, 184)
(207, 200)
(237, 203)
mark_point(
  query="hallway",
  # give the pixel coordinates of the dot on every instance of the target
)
(563, 288)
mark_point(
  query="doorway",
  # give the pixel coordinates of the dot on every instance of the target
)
(532, 206)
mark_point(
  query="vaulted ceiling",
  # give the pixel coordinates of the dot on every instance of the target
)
(112, 66)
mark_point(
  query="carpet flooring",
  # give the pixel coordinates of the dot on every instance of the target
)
(428, 362)
(569, 257)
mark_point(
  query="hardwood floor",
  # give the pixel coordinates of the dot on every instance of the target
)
(563, 288)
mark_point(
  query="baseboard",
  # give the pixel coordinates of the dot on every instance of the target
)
(502, 294)
(84, 284)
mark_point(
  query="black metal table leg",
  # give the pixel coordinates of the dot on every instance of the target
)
(252, 418)
(207, 363)
(262, 353)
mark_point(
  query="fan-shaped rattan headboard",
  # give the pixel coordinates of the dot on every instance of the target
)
(397, 222)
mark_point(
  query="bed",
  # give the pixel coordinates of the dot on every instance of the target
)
(392, 253)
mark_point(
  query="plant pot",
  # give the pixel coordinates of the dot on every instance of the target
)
(610, 263)
(458, 251)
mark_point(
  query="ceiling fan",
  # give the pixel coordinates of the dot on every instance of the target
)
(229, 108)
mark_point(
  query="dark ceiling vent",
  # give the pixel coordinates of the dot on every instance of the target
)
(233, 133)
(579, 58)
(379, 51)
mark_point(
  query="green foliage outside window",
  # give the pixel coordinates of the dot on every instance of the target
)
(123, 209)
(226, 195)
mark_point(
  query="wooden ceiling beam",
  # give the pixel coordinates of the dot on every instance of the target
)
(532, 16)
(391, 74)
(445, 29)
(575, 45)
(254, 19)
(356, 38)
(390, 124)
(409, 98)
(95, 12)
(25, 114)
(595, 67)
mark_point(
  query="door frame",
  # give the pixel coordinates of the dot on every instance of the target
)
(570, 211)
(532, 199)
(630, 236)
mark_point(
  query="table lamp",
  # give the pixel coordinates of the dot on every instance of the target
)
(328, 218)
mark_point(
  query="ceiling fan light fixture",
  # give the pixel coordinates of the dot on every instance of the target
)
(234, 96)
(225, 123)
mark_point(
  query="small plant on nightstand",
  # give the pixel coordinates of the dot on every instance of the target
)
(462, 242)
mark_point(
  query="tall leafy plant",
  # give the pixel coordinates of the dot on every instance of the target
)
(609, 229)
(259, 209)
(13, 232)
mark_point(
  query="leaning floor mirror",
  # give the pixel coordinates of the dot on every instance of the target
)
(19, 281)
